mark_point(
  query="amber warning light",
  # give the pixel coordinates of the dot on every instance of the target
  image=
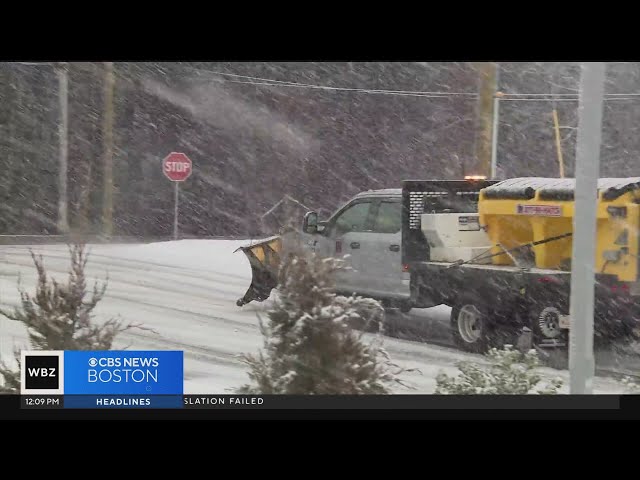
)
(475, 177)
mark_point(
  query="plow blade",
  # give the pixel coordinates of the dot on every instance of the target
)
(264, 258)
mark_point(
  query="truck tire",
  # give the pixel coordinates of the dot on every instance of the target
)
(470, 326)
(545, 323)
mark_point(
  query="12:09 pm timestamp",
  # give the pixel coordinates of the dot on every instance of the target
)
(46, 401)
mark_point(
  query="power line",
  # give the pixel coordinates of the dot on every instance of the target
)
(431, 94)
(423, 95)
(607, 99)
(34, 64)
(537, 94)
(272, 82)
(508, 97)
(260, 81)
(565, 95)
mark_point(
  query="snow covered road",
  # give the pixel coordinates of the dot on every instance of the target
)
(186, 292)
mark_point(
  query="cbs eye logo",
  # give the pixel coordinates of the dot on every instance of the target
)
(93, 362)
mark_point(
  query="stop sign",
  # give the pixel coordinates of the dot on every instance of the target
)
(177, 167)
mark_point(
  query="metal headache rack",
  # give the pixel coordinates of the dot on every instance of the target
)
(441, 196)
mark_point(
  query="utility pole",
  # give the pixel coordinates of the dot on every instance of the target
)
(63, 144)
(488, 76)
(494, 133)
(581, 360)
(107, 140)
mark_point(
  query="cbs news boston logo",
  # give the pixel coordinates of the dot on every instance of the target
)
(86, 377)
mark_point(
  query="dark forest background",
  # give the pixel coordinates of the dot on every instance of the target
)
(253, 142)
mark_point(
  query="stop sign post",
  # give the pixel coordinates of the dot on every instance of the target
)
(177, 167)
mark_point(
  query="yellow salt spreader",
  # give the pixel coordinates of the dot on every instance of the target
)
(537, 213)
(499, 253)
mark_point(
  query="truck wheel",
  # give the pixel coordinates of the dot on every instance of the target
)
(470, 327)
(546, 325)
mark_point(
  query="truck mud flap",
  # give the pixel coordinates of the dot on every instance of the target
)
(264, 258)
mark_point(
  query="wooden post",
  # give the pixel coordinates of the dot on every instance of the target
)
(488, 72)
(63, 147)
(107, 139)
(558, 144)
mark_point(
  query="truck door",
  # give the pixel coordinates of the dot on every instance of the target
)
(344, 237)
(385, 257)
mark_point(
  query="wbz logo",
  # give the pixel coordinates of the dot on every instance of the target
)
(42, 372)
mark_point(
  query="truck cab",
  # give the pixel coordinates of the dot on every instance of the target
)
(366, 233)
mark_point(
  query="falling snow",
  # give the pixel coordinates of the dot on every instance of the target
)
(268, 142)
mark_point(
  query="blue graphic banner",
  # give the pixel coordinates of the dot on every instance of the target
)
(123, 372)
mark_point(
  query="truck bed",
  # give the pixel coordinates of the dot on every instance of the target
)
(434, 283)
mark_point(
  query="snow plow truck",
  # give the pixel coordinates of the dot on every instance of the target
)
(497, 252)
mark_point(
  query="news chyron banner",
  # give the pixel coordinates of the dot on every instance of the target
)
(102, 379)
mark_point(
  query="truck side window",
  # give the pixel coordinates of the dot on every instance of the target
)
(389, 218)
(353, 219)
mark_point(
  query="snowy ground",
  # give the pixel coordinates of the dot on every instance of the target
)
(186, 291)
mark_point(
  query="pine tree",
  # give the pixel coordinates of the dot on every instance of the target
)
(60, 316)
(509, 373)
(11, 377)
(310, 346)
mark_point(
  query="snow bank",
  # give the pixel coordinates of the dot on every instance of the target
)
(204, 255)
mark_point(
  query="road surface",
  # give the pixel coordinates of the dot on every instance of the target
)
(185, 291)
